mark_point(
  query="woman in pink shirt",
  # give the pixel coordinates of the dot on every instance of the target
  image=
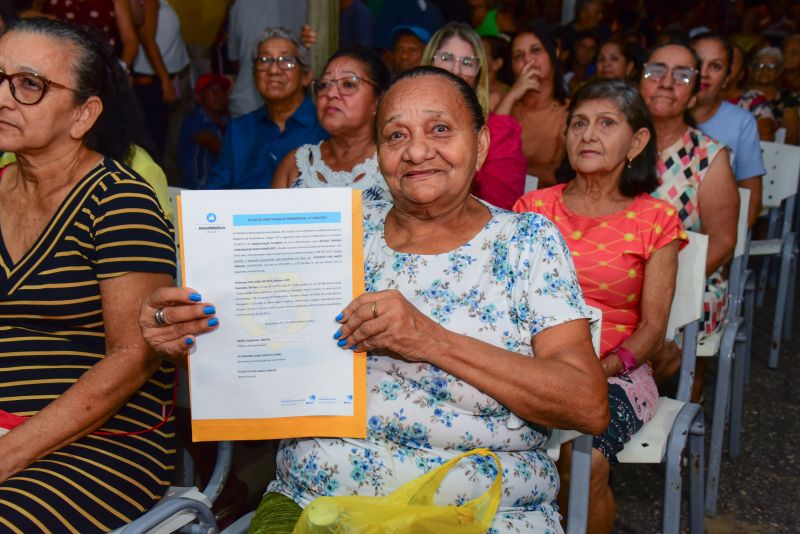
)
(625, 247)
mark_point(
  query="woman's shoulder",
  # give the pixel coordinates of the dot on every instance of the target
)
(539, 199)
(697, 139)
(651, 207)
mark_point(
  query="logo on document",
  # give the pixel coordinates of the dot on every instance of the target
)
(211, 217)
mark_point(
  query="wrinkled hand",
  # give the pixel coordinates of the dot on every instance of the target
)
(396, 326)
(308, 36)
(611, 365)
(186, 317)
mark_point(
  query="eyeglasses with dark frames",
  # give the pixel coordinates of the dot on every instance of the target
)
(29, 88)
(346, 86)
(264, 63)
(657, 72)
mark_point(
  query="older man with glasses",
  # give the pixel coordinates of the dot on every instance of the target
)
(256, 143)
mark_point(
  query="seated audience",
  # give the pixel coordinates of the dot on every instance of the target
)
(581, 61)
(256, 143)
(791, 63)
(450, 329)
(750, 100)
(724, 122)
(489, 19)
(538, 98)
(501, 179)
(408, 43)
(347, 98)
(695, 176)
(616, 60)
(200, 140)
(625, 246)
(767, 67)
(87, 401)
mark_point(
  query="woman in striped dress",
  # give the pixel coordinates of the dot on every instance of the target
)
(86, 403)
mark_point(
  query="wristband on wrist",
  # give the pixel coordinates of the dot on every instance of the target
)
(627, 358)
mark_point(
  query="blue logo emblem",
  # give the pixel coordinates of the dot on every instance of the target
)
(211, 217)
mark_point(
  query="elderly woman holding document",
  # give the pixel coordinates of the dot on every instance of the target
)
(475, 326)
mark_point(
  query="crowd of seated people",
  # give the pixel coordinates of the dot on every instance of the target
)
(647, 136)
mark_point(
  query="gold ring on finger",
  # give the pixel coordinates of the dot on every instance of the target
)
(374, 310)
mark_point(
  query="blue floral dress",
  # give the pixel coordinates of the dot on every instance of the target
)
(509, 282)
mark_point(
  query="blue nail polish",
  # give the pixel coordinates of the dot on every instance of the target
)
(195, 297)
(189, 341)
(354, 348)
(208, 310)
(342, 342)
(339, 317)
(213, 321)
(338, 334)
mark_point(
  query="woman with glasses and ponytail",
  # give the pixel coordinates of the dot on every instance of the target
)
(695, 176)
(86, 432)
(500, 181)
(347, 97)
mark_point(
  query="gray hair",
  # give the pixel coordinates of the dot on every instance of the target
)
(276, 32)
(769, 51)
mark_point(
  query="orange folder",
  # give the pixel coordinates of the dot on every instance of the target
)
(335, 426)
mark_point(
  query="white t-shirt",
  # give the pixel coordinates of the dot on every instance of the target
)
(169, 41)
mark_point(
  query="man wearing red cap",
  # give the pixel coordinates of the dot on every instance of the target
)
(202, 130)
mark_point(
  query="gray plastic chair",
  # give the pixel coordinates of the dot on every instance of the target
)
(677, 422)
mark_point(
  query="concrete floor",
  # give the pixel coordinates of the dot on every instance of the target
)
(760, 491)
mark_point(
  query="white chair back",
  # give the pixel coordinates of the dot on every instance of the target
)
(531, 182)
(780, 135)
(687, 304)
(742, 231)
(783, 169)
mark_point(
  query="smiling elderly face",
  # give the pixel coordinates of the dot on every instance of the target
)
(428, 148)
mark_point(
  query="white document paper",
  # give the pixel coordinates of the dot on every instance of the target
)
(277, 265)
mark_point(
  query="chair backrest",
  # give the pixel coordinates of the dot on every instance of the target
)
(780, 135)
(596, 328)
(531, 182)
(742, 231)
(783, 169)
(687, 304)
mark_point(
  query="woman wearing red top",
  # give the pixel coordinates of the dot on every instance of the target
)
(625, 247)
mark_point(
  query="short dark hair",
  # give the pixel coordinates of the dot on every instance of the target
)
(376, 69)
(640, 176)
(97, 72)
(467, 93)
(542, 31)
(721, 39)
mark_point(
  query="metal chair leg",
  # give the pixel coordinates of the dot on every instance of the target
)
(696, 482)
(676, 444)
(749, 307)
(721, 401)
(788, 320)
(580, 474)
(780, 304)
(737, 402)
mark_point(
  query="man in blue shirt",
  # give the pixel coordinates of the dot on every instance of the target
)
(255, 143)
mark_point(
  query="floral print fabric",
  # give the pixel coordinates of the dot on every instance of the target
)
(508, 283)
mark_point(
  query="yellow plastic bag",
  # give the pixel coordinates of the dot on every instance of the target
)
(410, 509)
